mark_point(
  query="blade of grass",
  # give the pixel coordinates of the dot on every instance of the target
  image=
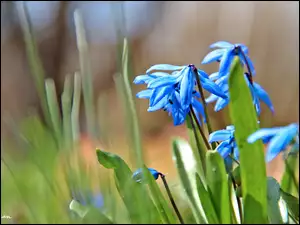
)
(66, 100)
(87, 83)
(243, 116)
(289, 182)
(76, 108)
(54, 110)
(35, 62)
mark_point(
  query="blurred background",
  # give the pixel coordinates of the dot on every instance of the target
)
(158, 32)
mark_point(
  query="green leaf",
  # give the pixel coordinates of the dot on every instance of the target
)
(140, 207)
(289, 182)
(292, 204)
(274, 213)
(185, 163)
(164, 210)
(206, 202)
(217, 183)
(253, 176)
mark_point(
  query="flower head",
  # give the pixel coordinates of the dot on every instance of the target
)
(228, 144)
(137, 175)
(257, 92)
(175, 92)
(225, 55)
(278, 138)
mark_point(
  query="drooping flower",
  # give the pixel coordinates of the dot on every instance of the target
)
(226, 53)
(279, 138)
(175, 92)
(257, 92)
(228, 144)
(137, 175)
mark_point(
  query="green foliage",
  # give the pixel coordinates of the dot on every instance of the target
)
(245, 121)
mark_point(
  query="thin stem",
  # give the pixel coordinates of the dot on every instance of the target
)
(237, 198)
(250, 77)
(202, 157)
(204, 104)
(237, 162)
(171, 198)
(200, 129)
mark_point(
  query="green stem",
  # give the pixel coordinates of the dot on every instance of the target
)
(202, 156)
(292, 174)
(171, 198)
(200, 129)
(204, 104)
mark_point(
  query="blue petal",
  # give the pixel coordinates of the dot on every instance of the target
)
(211, 87)
(162, 81)
(263, 95)
(98, 201)
(236, 153)
(278, 144)
(166, 67)
(263, 133)
(211, 98)
(244, 48)
(220, 135)
(230, 127)
(221, 44)
(154, 173)
(142, 79)
(159, 93)
(197, 94)
(202, 74)
(186, 87)
(214, 76)
(221, 103)
(224, 149)
(251, 65)
(159, 105)
(144, 94)
(213, 56)
(158, 74)
(199, 107)
(226, 62)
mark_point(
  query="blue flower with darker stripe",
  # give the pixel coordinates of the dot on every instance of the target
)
(257, 92)
(225, 55)
(278, 139)
(88, 198)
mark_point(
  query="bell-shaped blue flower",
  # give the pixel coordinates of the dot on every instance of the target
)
(257, 92)
(278, 138)
(226, 53)
(228, 144)
(137, 175)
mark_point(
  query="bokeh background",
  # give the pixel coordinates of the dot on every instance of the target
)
(159, 32)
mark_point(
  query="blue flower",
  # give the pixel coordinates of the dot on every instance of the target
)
(257, 92)
(226, 53)
(137, 175)
(88, 198)
(278, 138)
(228, 144)
(175, 92)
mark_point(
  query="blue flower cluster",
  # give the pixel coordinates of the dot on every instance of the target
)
(277, 138)
(175, 92)
(225, 55)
